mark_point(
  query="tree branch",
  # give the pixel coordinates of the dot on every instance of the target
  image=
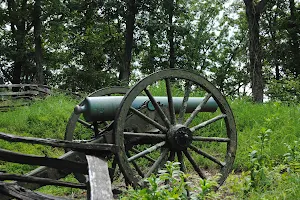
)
(260, 6)
(247, 2)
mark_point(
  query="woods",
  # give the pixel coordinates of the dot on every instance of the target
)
(244, 47)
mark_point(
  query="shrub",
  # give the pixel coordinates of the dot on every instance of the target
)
(170, 183)
(286, 89)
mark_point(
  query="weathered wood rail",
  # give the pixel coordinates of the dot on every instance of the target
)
(24, 90)
(11, 92)
(98, 185)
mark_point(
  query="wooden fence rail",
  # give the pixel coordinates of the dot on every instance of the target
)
(24, 89)
(11, 92)
(98, 185)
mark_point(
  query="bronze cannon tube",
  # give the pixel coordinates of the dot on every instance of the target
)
(104, 108)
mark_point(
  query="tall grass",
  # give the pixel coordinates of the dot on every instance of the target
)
(252, 119)
(45, 118)
(42, 119)
(48, 119)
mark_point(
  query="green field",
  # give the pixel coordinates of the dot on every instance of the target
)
(266, 165)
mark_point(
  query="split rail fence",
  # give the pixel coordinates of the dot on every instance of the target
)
(9, 93)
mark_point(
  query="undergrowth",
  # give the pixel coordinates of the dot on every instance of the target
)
(266, 164)
(170, 183)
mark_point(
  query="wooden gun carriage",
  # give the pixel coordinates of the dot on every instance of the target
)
(131, 134)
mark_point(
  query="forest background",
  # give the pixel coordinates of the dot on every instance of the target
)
(86, 45)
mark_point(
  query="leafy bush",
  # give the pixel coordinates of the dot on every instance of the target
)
(265, 176)
(170, 183)
(292, 157)
(287, 89)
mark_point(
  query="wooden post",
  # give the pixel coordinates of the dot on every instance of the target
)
(99, 180)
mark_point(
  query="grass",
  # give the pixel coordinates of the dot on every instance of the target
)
(48, 119)
(42, 119)
(252, 119)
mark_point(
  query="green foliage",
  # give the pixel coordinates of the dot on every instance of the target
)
(42, 119)
(170, 183)
(271, 171)
(292, 157)
(264, 178)
(266, 163)
(204, 190)
(283, 185)
(286, 90)
(253, 119)
(260, 161)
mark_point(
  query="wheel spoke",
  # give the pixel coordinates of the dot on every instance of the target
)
(210, 157)
(187, 91)
(197, 110)
(194, 164)
(203, 124)
(158, 108)
(90, 126)
(171, 156)
(147, 151)
(210, 139)
(149, 120)
(180, 159)
(145, 135)
(139, 171)
(84, 123)
(170, 102)
(145, 156)
(158, 162)
(183, 168)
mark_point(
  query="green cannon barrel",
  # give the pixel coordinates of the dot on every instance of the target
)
(104, 108)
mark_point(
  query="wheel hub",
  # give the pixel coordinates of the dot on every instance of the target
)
(179, 137)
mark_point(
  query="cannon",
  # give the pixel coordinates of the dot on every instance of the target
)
(105, 108)
(170, 115)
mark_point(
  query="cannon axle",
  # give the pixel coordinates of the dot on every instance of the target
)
(179, 137)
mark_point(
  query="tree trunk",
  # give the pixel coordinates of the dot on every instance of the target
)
(151, 51)
(17, 21)
(38, 41)
(294, 40)
(273, 26)
(171, 34)
(253, 12)
(130, 21)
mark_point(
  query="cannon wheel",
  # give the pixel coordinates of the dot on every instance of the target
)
(182, 136)
(74, 120)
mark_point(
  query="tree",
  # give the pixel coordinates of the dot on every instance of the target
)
(253, 12)
(169, 4)
(19, 25)
(37, 12)
(130, 24)
(294, 32)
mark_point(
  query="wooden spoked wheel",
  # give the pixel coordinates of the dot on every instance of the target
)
(204, 143)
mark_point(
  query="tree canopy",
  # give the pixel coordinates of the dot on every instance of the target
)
(85, 45)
